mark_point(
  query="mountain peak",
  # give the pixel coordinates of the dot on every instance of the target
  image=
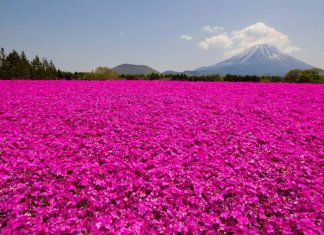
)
(260, 51)
(261, 59)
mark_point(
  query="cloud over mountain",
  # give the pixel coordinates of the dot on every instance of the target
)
(237, 41)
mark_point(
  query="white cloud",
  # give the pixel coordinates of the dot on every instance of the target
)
(222, 41)
(239, 40)
(186, 37)
(215, 29)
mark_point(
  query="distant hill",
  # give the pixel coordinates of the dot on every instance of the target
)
(259, 60)
(131, 69)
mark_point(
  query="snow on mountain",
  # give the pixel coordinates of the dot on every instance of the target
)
(261, 59)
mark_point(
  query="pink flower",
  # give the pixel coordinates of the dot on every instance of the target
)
(160, 157)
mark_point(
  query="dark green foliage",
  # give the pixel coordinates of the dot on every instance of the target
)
(132, 77)
(154, 76)
(48, 70)
(275, 78)
(25, 67)
(2, 63)
(64, 75)
(15, 66)
(12, 65)
(2, 56)
(292, 76)
(195, 78)
(306, 76)
(173, 77)
(239, 78)
(101, 73)
(37, 69)
(309, 76)
(51, 71)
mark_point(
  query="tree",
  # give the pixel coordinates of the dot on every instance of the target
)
(107, 73)
(309, 76)
(59, 74)
(101, 73)
(37, 69)
(52, 70)
(2, 57)
(12, 65)
(24, 67)
(292, 76)
(103, 70)
(18, 66)
(46, 68)
(153, 76)
(2, 62)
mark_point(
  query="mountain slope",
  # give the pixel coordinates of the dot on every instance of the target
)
(259, 60)
(131, 69)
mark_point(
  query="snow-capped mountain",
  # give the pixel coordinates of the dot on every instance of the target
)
(259, 60)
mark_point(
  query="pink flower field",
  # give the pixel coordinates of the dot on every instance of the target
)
(158, 157)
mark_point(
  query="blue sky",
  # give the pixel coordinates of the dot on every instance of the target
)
(79, 35)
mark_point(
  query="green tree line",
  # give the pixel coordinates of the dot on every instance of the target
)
(294, 76)
(305, 76)
(17, 66)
